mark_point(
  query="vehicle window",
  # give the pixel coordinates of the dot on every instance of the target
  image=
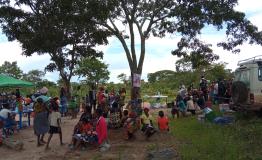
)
(237, 76)
(245, 76)
(260, 73)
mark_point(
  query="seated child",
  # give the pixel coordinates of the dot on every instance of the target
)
(84, 134)
(191, 106)
(124, 117)
(7, 118)
(130, 126)
(101, 129)
(162, 122)
(201, 101)
(147, 123)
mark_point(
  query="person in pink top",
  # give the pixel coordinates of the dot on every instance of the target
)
(101, 129)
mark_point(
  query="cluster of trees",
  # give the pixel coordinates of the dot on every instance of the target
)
(13, 70)
(69, 30)
(96, 71)
(168, 82)
(164, 81)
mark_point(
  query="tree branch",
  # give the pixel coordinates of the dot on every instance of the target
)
(130, 21)
(156, 10)
(122, 40)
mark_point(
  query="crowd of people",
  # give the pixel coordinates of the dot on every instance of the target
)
(207, 93)
(110, 114)
(102, 110)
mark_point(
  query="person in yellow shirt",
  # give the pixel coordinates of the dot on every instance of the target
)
(146, 118)
(147, 123)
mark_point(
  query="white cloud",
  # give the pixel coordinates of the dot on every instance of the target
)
(256, 20)
(117, 64)
(249, 6)
(11, 51)
(247, 51)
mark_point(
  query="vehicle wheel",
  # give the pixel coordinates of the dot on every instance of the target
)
(239, 92)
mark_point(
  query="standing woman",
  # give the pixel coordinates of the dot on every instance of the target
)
(41, 124)
(101, 98)
(63, 101)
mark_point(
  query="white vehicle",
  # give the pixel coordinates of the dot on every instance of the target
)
(247, 84)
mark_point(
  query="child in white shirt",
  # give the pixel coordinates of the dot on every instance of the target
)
(55, 124)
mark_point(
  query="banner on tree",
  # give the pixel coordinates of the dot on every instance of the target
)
(136, 80)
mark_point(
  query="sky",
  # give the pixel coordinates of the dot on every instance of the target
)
(158, 50)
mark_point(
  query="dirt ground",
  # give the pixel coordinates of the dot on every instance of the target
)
(120, 149)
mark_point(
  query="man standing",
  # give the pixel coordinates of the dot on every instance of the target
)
(203, 87)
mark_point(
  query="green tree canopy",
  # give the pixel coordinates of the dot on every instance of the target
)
(47, 83)
(163, 75)
(34, 75)
(218, 71)
(60, 28)
(123, 78)
(200, 56)
(11, 69)
(167, 81)
(93, 70)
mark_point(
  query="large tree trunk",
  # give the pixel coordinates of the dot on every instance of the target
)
(67, 86)
(135, 91)
(136, 102)
(137, 69)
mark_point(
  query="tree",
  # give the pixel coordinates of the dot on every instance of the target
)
(46, 83)
(123, 77)
(218, 71)
(163, 75)
(93, 70)
(11, 69)
(186, 18)
(34, 76)
(58, 28)
(198, 58)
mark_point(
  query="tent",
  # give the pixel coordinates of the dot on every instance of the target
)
(7, 81)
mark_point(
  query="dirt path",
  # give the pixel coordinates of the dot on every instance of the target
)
(120, 149)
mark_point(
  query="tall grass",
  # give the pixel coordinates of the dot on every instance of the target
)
(239, 141)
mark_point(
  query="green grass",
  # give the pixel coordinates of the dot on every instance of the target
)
(239, 141)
